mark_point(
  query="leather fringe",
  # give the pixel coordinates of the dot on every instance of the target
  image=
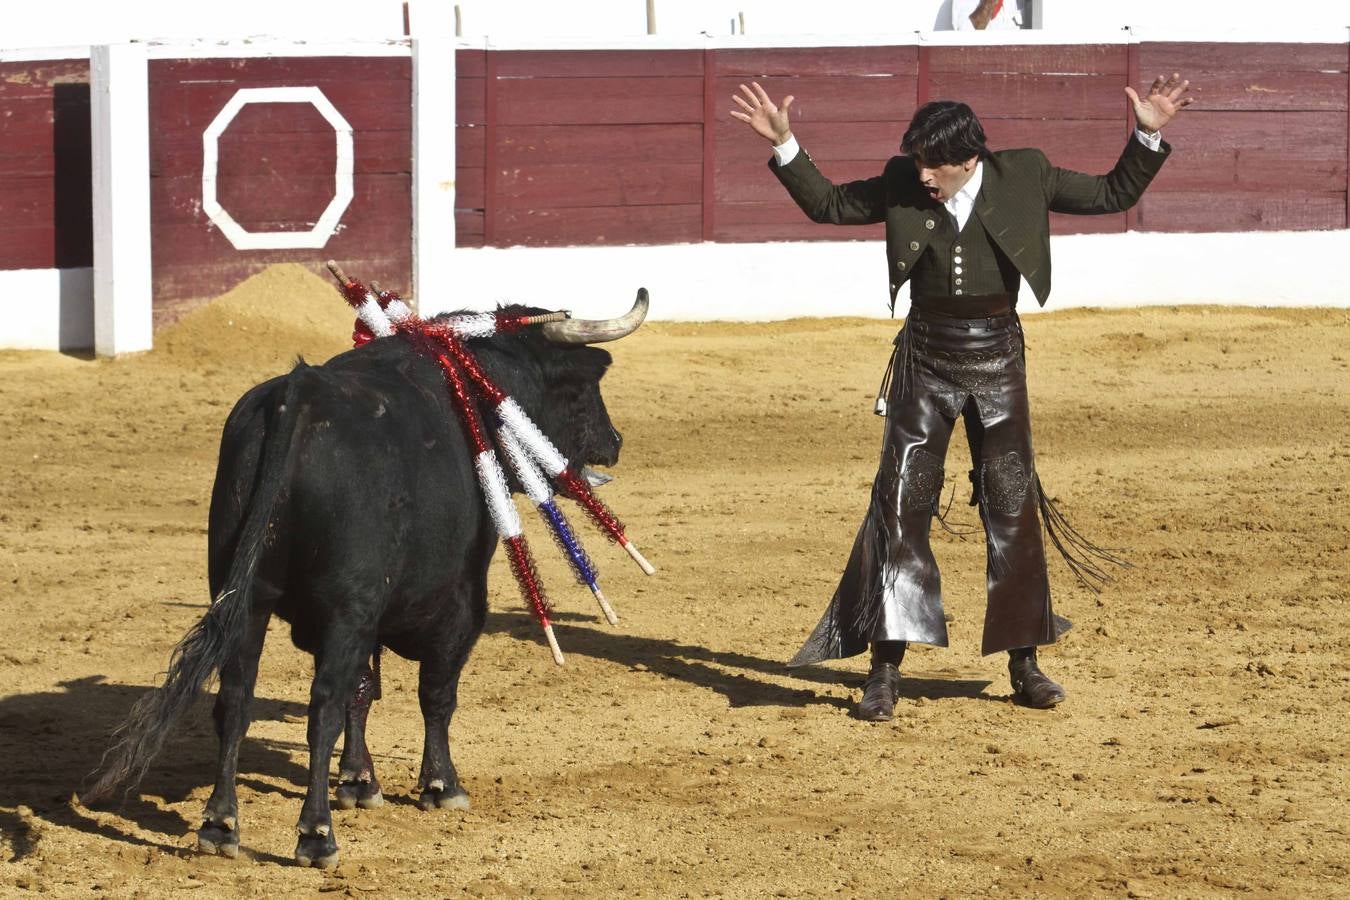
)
(1079, 553)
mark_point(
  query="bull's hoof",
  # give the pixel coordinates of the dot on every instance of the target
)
(365, 794)
(317, 850)
(436, 796)
(218, 838)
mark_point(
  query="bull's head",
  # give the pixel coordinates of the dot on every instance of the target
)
(565, 400)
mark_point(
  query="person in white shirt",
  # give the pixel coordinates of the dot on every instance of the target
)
(986, 15)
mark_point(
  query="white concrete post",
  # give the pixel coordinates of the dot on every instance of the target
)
(120, 133)
(433, 171)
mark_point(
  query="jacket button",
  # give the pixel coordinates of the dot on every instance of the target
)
(930, 224)
(894, 288)
(914, 245)
(900, 265)
(957, 248)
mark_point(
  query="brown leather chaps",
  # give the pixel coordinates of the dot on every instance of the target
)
(957, 357)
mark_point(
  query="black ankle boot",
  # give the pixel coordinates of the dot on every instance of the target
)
(1030, 685)
(883, 682)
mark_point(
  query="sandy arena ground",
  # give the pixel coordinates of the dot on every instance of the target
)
(1201, 753)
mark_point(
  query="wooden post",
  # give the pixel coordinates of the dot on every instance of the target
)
(651, 16)
(433, 168)
(119, 114)
(740, 17)
(459, 23)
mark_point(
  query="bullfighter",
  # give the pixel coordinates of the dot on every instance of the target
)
(964, 226)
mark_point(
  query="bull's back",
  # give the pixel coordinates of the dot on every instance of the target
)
(380, 503)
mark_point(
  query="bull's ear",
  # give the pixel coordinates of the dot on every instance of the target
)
(580, 363)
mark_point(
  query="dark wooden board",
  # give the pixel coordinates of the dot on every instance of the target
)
(527, 145)
(1030, 59)
(598, 101)
(761, 63)
(1294, 210)
(533, 64)
(1271, 152)
(836, 98)
(470, 101)
(638, 183)
(1251, 76)
(470, 143)
(468, 228)
(826, 142)
(255, 199)
(469, 190)
(740, 183)
(45, 182)
(1112, 223)
(470, 63)
(1033, 96)
(668, 224)
(771, 221)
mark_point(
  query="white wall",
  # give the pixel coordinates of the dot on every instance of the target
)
(1254, 18)
(75, 22)
(67, 23)
(759, 282)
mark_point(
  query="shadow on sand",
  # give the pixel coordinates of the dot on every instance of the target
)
(52, 741)
(709, 669)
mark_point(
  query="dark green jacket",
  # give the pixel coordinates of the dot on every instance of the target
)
(1019, 190)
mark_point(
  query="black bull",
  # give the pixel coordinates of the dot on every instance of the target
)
(346, 503)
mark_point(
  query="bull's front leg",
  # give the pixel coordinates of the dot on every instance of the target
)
(357, 784)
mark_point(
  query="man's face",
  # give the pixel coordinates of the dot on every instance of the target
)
(944, 180)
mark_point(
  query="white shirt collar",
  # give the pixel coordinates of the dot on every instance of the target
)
(963, 201)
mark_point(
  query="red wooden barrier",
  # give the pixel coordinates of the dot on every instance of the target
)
(1264, 145)
(276, 168)
(45, 197)
(619, 147)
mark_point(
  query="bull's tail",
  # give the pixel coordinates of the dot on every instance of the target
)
(217, 637)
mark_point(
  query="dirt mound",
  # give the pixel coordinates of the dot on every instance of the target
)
(282, 312)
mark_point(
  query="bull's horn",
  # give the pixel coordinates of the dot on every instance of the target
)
(597, 331)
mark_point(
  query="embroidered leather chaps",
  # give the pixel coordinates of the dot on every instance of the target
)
(965, 361)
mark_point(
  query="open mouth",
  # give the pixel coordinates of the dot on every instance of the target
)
(594, 478)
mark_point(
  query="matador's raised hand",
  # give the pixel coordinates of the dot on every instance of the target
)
(1166, 97)
(760, 113)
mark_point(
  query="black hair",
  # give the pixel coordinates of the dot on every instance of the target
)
(942, 132)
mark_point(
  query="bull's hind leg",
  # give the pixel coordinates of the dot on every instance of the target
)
(438, 693)
(335, 671)
(219, 832)
(357, 784)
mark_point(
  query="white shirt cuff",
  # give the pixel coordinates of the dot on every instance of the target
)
(1152, 141)
(787, 151)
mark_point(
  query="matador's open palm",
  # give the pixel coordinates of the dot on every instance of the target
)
(760, 113)
(1166, 97)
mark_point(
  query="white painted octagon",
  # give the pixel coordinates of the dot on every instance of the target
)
(323, 229)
